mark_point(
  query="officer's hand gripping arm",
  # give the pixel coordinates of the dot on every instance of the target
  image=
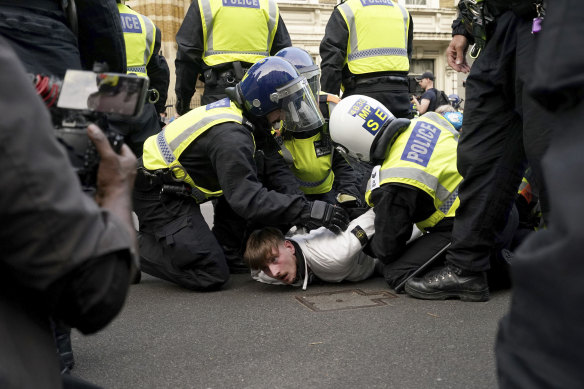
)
(327, 215)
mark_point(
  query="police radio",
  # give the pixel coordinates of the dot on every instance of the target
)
(85, 97)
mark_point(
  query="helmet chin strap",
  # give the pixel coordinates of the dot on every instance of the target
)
(387, 135)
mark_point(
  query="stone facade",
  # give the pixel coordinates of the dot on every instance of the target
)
(306, 21)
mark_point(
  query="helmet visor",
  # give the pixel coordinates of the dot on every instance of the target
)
(312, 74)
(299, 106)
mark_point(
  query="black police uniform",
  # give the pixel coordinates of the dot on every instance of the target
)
(62, 255)
(389, 88)
(137, 130)
(503, 129)
(189, 64)
(175, 242)
(40, 33)
(540, 341)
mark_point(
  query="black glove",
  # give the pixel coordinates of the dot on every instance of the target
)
(327, 215)
(182, 106)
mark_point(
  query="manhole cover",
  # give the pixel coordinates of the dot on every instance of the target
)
(344, 299)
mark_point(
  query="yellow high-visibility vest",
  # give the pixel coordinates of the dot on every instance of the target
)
(162, 151)
(238, 30)
(378, 35)
(139, 36)
(424, 156)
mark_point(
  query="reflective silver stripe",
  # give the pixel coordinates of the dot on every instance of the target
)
(436, 117)
(419, 175)
(353, 41)
(164, 148)
(406, 19)
(136, 69)
(445, 207)
(273, 11)
(213, 52)
(176, 142)
(150, 36)
(208, 14)
(394, 51)
(313, 184)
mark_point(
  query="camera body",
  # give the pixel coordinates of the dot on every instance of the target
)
(82, 98)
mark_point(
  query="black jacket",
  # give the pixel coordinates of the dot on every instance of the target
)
(189, 63)
(333, 52)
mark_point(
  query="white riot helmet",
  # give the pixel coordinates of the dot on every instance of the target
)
(355, 123)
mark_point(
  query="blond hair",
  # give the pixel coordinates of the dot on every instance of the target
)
(261, 246)
(444, 108)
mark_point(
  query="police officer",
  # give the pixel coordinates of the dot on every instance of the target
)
(218, 40)
(143, 57)
(50, 39)
(208, 153)
(504, 128)
(63, 255)
(366, 49)
(310, 154)
(414, 181)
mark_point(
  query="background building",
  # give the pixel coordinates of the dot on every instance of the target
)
(306, 21)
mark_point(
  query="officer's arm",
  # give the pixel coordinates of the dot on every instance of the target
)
(411, 39)
(394, 214)
(346, 178)
(159, 74)
(231, 152)
(188, 62)
(281, 39)
(333, 51)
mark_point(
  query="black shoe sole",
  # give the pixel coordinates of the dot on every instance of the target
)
(473, 296)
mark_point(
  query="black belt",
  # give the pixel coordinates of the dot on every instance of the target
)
(47, 5)
(353, 82)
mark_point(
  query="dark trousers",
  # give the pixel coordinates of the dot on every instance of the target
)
(540, 341)
(503, 129)
(415, 255)
(394, 97)
(176, 244)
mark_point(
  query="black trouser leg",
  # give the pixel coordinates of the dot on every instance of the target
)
(491, 157)
(185, 252)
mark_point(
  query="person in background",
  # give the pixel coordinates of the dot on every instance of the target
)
(143, 40)
(429, 98)
(218, 41)
(366, 49)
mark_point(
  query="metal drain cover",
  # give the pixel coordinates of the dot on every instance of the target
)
(345, 299)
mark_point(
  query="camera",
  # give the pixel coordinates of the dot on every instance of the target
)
(85, 97)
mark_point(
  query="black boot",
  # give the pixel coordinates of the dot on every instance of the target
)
(449, 282)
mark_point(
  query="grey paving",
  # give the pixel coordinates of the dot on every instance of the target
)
(252, 335)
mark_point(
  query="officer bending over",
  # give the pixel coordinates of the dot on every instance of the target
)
(415, 180)
(208, 153)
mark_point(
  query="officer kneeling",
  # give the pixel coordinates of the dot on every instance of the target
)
(208, 153)
(414, 181)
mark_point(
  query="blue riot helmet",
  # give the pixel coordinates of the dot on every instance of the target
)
(455, 100)
(455, 118)
(305, 65)
(274, 83)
